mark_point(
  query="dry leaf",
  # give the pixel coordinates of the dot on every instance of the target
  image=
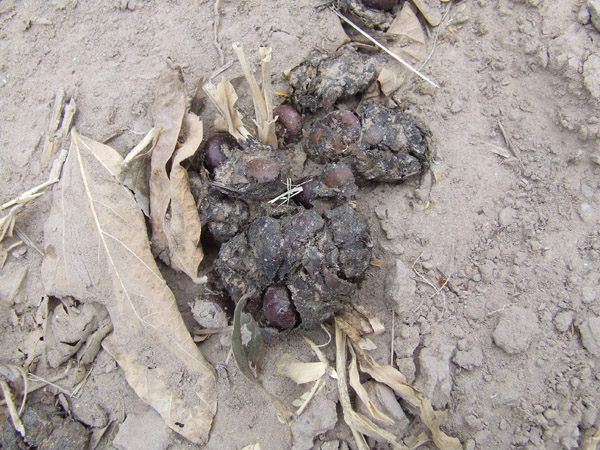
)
(407, 25)
(224, 98)
(169, 108)
(183, 226)
(135, 172)
(298, 371)
(97, 250)
(431, 10)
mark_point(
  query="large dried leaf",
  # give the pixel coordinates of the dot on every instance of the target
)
(97, 250)
(183, 226)
(169, 109)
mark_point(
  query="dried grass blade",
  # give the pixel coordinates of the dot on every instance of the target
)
(359, 424)
(394, 379)
(362, 392)
(264, 121)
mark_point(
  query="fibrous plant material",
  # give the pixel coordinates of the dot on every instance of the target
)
(97, 250)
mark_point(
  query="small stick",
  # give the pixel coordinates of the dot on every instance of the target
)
(28, 242)
(515, 151)
(216, 21)
(382, 47)
(392, 338)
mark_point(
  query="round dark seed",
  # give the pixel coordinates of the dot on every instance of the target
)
(307, 196)
(290, 120)
(278, 308)
(216, 150)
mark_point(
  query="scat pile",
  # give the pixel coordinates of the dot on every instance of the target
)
(301, 259)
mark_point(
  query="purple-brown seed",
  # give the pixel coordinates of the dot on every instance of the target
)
(278, 308)
(290, 120)
(216, 150)
(307, 196)
(338, 176)
(383, 5)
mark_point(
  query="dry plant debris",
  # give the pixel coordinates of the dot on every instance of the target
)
(98, 250)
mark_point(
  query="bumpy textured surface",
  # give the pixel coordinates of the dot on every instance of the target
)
(317, 256)
(321, 81)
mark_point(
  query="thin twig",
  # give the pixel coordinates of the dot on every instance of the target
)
(435, 38)
(27, 241)
(392, 338)
(50, 383)
(216, 22)
(384, 48)
(515, 151)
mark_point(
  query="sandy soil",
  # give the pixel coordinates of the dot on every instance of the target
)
(490, 261)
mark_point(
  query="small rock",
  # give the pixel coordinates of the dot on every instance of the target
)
(208, 314)
(474, 422)
(516, 329)
(590, 335)
(563, 320)
(407, 341)
(385, 401)
(399, 286)
(146, 430)
(407, 367)
(470, 444)
(591, 69)
(330, 445)
(89, 414)
(507, 216)
(583, 16)
(589, 417)
(434, 378)
(318, 418)
(588, 295)
(586, 211)
(456, 107)
(469, 359)
(481, 437)
(593, 7)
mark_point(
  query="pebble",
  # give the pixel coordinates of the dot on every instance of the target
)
(590, 335)
(399, 286)
(588, 294)
(587, 211)
(507, 216)
(469, 359)
(434, 378)
(563, 320)
(591, 68)
(407, 341)
(145, 430)
(481, 437)
(516, 329)
(318, 418)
